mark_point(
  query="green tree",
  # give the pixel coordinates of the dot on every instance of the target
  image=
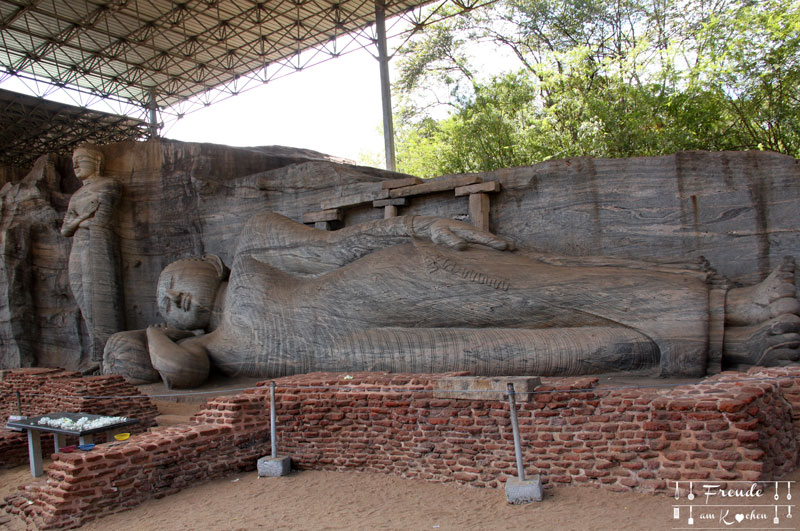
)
(601, 78)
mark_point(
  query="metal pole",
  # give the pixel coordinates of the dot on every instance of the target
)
(386, 91)
(273, 437)
(515, 427)
(153, 114)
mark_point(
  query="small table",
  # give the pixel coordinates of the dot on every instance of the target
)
(33, 428)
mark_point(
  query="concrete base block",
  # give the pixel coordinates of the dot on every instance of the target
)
(519, 492)
(273, 467)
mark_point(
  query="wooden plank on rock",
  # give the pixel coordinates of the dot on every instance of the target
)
(400, 183)
(480, 188)
(400, 201)
(439, 184)
(354, 199)
(332, 214)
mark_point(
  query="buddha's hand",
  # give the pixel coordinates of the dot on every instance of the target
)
(456, 234)
(175, 334)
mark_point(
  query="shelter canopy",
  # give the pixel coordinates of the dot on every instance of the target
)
(175, 56)
(33, 126)
(166, 51)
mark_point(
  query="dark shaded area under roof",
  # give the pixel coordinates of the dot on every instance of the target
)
(31, 127)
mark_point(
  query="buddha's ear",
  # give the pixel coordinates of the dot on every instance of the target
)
(216, 261)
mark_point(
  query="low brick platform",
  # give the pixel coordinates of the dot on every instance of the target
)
(730, 427)
(45, 391)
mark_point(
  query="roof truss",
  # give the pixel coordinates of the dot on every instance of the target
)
(180, 55)
(34, 126)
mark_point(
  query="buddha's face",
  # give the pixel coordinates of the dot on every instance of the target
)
(186, 293)
(85, 163)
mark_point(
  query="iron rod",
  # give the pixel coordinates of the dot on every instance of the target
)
(273, 437)
(512, 402)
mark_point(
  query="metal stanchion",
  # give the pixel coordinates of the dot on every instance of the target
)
(520, 490)
(272, 465)
(512, 403)
(273, 436)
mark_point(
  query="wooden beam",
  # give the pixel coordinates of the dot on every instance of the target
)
(439, 184)
(354, 199)
(400, 183)
(333, 214)
(479, 210)
(400, 201)
(480, 188)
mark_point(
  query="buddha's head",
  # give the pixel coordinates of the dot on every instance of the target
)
(187, 289)
(87, 161)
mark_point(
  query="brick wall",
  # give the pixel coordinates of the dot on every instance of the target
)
(730, 427)
(572, 431)
(45, 391)
(227, 436)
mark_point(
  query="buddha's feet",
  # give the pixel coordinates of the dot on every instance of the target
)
(772, 297)
(762, 322)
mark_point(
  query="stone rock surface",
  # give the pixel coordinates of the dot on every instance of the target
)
(94, 273)
(738, 210)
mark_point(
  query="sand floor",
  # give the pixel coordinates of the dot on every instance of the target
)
(353, 500)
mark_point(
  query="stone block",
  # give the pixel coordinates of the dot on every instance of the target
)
(485, 387)
(273, 467)
(520, 492)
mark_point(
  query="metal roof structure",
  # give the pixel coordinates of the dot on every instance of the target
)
(32, 126)
(174, 56)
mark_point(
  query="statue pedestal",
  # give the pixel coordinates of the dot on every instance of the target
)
(273, 467)
(520, 492)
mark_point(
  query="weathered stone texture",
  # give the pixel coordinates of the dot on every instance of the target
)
(736, 209)
(39, 321)
(177, 200)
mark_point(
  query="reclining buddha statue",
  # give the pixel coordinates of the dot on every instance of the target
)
(425, 294)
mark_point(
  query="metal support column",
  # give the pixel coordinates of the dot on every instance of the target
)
(153, 114)
(386, 91)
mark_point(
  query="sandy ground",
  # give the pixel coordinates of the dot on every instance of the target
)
(353, 500)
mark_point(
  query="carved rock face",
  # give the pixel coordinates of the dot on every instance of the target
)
(186, 293)
(86, 162)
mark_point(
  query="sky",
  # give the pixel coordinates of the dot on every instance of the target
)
(333, 107)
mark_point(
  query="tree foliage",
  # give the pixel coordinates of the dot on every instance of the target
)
(600, 77)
